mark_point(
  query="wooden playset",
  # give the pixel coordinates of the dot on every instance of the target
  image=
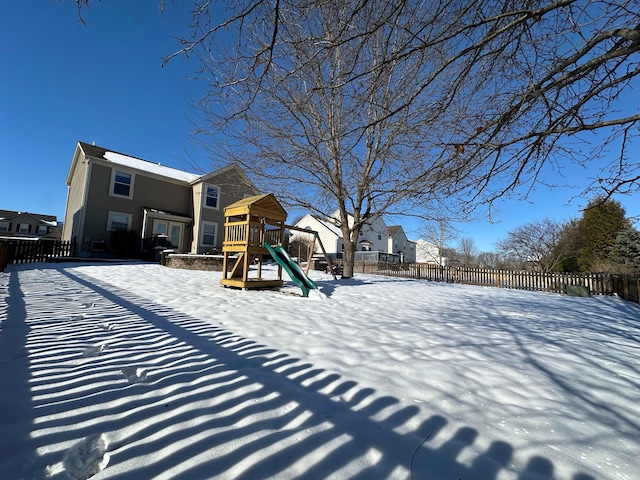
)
(251, 225)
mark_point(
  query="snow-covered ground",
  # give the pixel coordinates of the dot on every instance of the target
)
(137, 371)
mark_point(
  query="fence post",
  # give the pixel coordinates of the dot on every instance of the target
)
(625, 286)
(3, 256)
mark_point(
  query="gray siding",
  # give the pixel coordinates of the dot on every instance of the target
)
(147, 192)
(75, 198)
(232, 188)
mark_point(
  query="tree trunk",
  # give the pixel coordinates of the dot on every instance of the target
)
(348, 258)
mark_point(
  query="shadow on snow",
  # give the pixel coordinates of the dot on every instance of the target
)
(180, 397)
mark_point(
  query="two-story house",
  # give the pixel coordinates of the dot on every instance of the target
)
(109, 191)
(26, 225)
(400, 244)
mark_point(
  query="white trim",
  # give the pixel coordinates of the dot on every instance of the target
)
(153, 213)
(169, 230)
(205, 187)
(202, 233)
(112, 183)
(113, 214)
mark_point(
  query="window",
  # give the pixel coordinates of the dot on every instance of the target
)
(4, 226)
(23, 227)
(42, 229)
(160, 227)
(118, 221)
(172, 230)
(175, 235)
(211, 193)
(209, 233)
(121, 184)
(379, 237)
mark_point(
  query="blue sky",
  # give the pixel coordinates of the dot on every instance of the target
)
(62, 81)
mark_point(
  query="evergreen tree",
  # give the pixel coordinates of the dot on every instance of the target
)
(602, 220)
(625, 255)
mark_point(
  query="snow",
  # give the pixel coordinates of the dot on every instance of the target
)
(138, 371)
(150, 167)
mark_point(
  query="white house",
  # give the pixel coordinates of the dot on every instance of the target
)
(427, 252)
(399, 244)
(328, 233)
(374, 236)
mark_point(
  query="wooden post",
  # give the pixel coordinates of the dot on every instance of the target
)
(315, 237)
(312, 248)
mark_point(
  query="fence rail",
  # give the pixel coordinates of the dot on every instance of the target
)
(625, 286)
(30, 251)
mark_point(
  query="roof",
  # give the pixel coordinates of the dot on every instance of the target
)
(118, 158)
(264, 204)
(325, 223)
(50, 220)
(232, 166)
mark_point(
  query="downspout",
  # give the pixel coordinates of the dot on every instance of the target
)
(144, 228)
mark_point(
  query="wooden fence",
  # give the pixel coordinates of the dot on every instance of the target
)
(30, 251)
(625, 286)
(4, 254)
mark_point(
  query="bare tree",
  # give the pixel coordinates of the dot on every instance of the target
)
(314, 134)
(468, 251)
(378, 107)
(488, 259)
(441, 233)
(299, 247)
(369, 107)
(538, 242)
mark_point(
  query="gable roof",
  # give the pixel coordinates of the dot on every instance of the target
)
(332, 228)
(397, 230)
(121, 159)
(117, 158)
(232, 166)
(265, 204)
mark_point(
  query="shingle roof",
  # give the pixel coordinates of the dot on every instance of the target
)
(46, 219)
(136, 163)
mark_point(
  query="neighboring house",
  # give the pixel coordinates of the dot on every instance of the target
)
(328, 233)
(27, 225)
(374, 236)
(401, 245)
(109, 191)
(427, 252)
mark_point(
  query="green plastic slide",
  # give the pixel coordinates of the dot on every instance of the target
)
(292, 268)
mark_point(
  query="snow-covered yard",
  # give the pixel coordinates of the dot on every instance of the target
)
(137, 371)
